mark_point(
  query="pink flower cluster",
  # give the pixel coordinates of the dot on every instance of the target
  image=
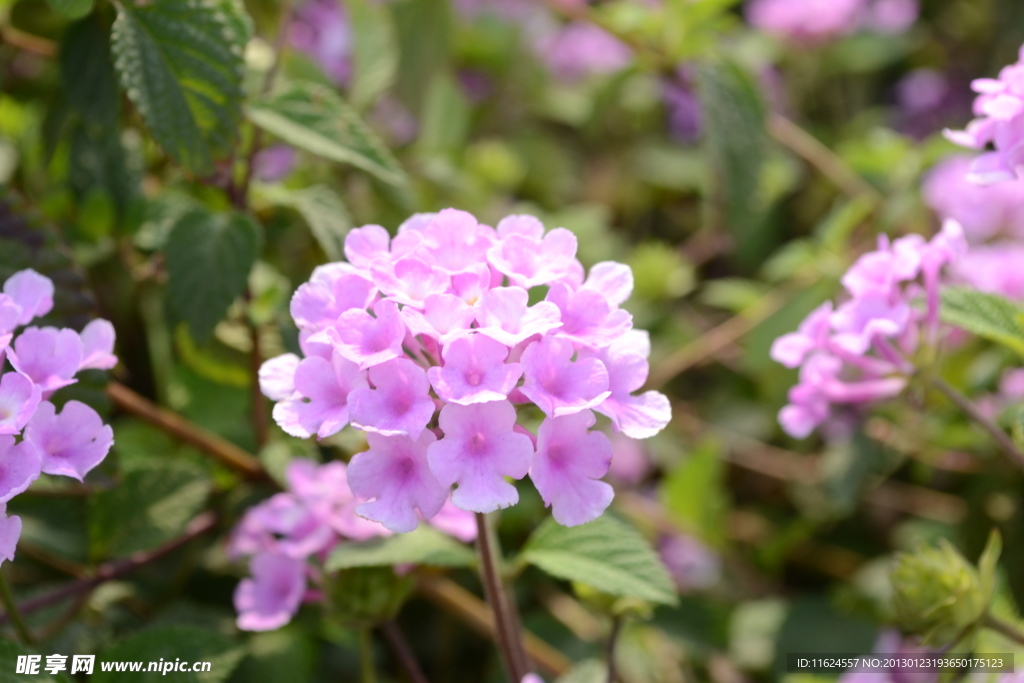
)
(858, 352)
(282, 534)
(814, 22)
(68, 443)
(429, 341)
(992, 217)
(999, 107)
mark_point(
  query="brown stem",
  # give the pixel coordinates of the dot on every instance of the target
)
(613, 638)
(118, 569)
(400, 646)
(972, 411)
(27, 42)
(1003, 628)
(220, 448)
(507, 633)
(473, 612)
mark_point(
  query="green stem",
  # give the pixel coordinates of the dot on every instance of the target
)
(367, 667)
(1003, 628)
(12, 612)
(613, 638)
(972, 411)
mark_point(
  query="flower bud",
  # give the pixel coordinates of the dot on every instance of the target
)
(939, 594)
(366, 596)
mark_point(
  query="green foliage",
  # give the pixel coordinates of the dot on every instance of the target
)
(171, 643)
(363, 597)
(425, 545)
(375, 51)
(209, 257)
(72, 9)
(695, 492)
(324, 212)
(607, 554)
(9, 653)
(183, 76)
(151, 505)
(735, 119)
(315, 119)
(587, 671)
(989, 316)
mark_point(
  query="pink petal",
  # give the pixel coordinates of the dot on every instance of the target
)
(71, 443)
(272, 596)
(400, 402)
(19, 467)
(558, 385)
(277, 376)
(98, 346)
(19, 398)
(32, 292)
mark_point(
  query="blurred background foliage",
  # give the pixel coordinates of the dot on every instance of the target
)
(739, 176)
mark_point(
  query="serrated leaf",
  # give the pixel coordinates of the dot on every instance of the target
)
(426, 545)
(322, 209)
(183, 70)
(72, 9)
(209, 257)
(423, 29)
(240, 24)
(9, 653)
(607, 554)
(150, 506)
(314, 118)
(172, 644)
(734, 124)
(375, 51)
(989, 316)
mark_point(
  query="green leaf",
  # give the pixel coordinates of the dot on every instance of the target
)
(171, 644)
(209, 257)
(314, 118)
(446, 118)
(150, 506)
(426, 545)
(695, 491)
(375, 51)
(607, 554)
(424, 29)
(734, 121)
(9, 653)
(587, 671)
(181, 66)
(322, 209)
(72, 9)
(989, 316)
(287, 654)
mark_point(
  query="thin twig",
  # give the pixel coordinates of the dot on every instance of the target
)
(613, 638)
(400, 646)
(220, 448)
(1001, 437)
(11, 612)
(508, 636)
(117, 569)
(473, 612)
(1003, 628)
(27, 42)
(808, 147)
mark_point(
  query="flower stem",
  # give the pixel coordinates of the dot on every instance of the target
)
(972, 411)
(400, 646)
(12, 612)
(613, 637)
(506, 629)
(367, 668)
(1003, 628)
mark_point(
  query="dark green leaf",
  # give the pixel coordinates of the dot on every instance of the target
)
(9, 653)
(425, 545)
(734, 121)
(587, 671)
(150, 506)
(989, 316)
(314, 118)
(324, 212)
(172, 644)
(607, 554)
(72, 9)
(288, 654)
(209, 257)
(182, 69)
